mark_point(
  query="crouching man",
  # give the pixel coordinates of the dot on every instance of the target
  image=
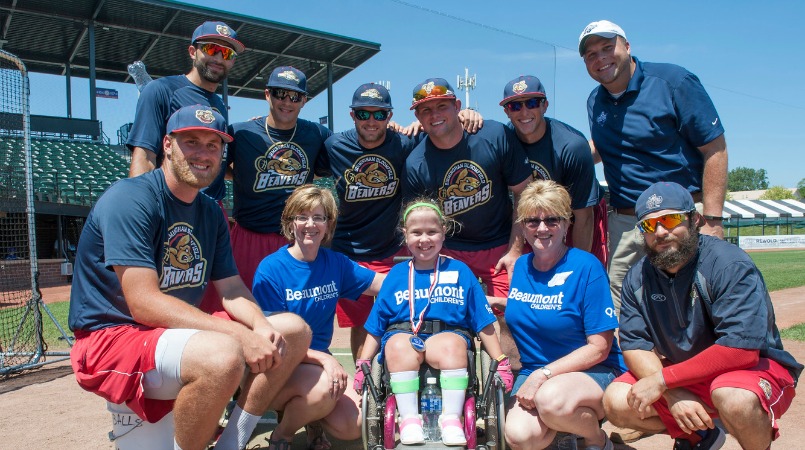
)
(147, 251)
(698, 335)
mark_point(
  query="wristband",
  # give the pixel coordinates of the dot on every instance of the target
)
(501, 357)
(709, 217)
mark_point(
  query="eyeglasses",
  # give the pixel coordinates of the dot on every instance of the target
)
(362, 114)
(668, 221)
(434, 91)
(301, 218)
(550, 222)
(211, 48)
(531, 103)
(280, 94)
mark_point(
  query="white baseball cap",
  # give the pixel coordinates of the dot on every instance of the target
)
(603, 28)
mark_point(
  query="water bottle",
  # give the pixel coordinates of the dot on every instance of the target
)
(430, 404)
(139, 74)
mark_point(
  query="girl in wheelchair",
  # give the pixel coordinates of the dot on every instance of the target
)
(446, 298)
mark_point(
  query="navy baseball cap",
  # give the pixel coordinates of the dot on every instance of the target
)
(219, 31)
(371, 94)
(524, 86)
(603, 28)
(287, 77)
(432, 89)
(198, 117)
(663, 195)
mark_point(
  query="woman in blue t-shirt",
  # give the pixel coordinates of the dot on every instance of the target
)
(560, 313)
(445, 290)
(306, 279)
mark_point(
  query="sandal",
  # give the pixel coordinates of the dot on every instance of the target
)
(280, 444)
(320, 441)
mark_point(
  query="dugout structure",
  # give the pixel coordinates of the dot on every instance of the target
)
(22, 345)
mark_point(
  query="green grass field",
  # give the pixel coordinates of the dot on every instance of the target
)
(781, 270)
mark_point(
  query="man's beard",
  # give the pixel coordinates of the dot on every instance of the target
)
(672, 257)
(182, 172)
(208, 75)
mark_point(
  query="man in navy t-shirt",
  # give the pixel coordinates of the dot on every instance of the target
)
(148, 250)
(557, 151)
(649, 122)
(213, 50)
(270, 157)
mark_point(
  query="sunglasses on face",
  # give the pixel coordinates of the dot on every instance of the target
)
(531, 103)
(280, 94)
(668, 221)
(212, 48)
(304, 219)
(362, 114)
(550, 222)
(435, 91)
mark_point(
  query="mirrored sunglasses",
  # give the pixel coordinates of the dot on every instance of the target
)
(434, 92)
(668, 221)
(362, 114)
(211, 48)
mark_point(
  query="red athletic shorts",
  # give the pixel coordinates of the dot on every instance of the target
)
(482, 263)
(771, 382)
(352, 314)
(249, 248)
(111, 362)
(211, 301)
(600, 228)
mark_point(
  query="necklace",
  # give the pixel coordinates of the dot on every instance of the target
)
(416, 325)
(273, 142)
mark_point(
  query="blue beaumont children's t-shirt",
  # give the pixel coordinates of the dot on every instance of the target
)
(309, 289)
(550, 314)
(457, 299)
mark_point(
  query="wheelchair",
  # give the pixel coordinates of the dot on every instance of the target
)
(484, 403)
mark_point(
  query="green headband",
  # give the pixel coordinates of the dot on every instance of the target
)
(421, 204)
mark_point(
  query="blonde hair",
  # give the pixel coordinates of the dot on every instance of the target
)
(544, 195)
(306, 198)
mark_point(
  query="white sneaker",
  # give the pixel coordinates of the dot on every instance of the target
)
(452, 430)
(411, 430)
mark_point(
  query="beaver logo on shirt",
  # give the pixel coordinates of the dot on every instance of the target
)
(465, 186)
(183, 264)
(538, 171)
(370, 177)
(284, 165)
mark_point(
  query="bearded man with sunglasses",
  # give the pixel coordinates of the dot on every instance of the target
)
(559, 152)
(698, 335)
(213, 50)
(270, 157)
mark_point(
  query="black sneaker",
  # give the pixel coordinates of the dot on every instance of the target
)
(711, 440)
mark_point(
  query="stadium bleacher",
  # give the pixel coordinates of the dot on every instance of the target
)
(72, 172)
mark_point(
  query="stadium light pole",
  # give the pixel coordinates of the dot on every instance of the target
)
(466, 84)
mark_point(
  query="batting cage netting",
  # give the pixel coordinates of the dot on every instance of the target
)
(21, 343)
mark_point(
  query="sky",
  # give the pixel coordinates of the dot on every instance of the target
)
(744, 52)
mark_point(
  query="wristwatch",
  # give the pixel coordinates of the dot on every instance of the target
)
(546, 371)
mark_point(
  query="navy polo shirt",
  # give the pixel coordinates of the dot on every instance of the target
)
(653, 131)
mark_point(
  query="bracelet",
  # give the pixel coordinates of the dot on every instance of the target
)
(709, 217)
(501, 357)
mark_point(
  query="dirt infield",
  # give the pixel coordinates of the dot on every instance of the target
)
(45, 408)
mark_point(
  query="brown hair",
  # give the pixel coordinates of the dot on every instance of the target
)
(305, 198)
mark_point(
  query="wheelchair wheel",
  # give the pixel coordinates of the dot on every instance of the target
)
(372, 412)
(494, 419)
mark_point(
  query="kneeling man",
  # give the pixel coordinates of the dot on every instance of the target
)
(698, 335)
(147, 251)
